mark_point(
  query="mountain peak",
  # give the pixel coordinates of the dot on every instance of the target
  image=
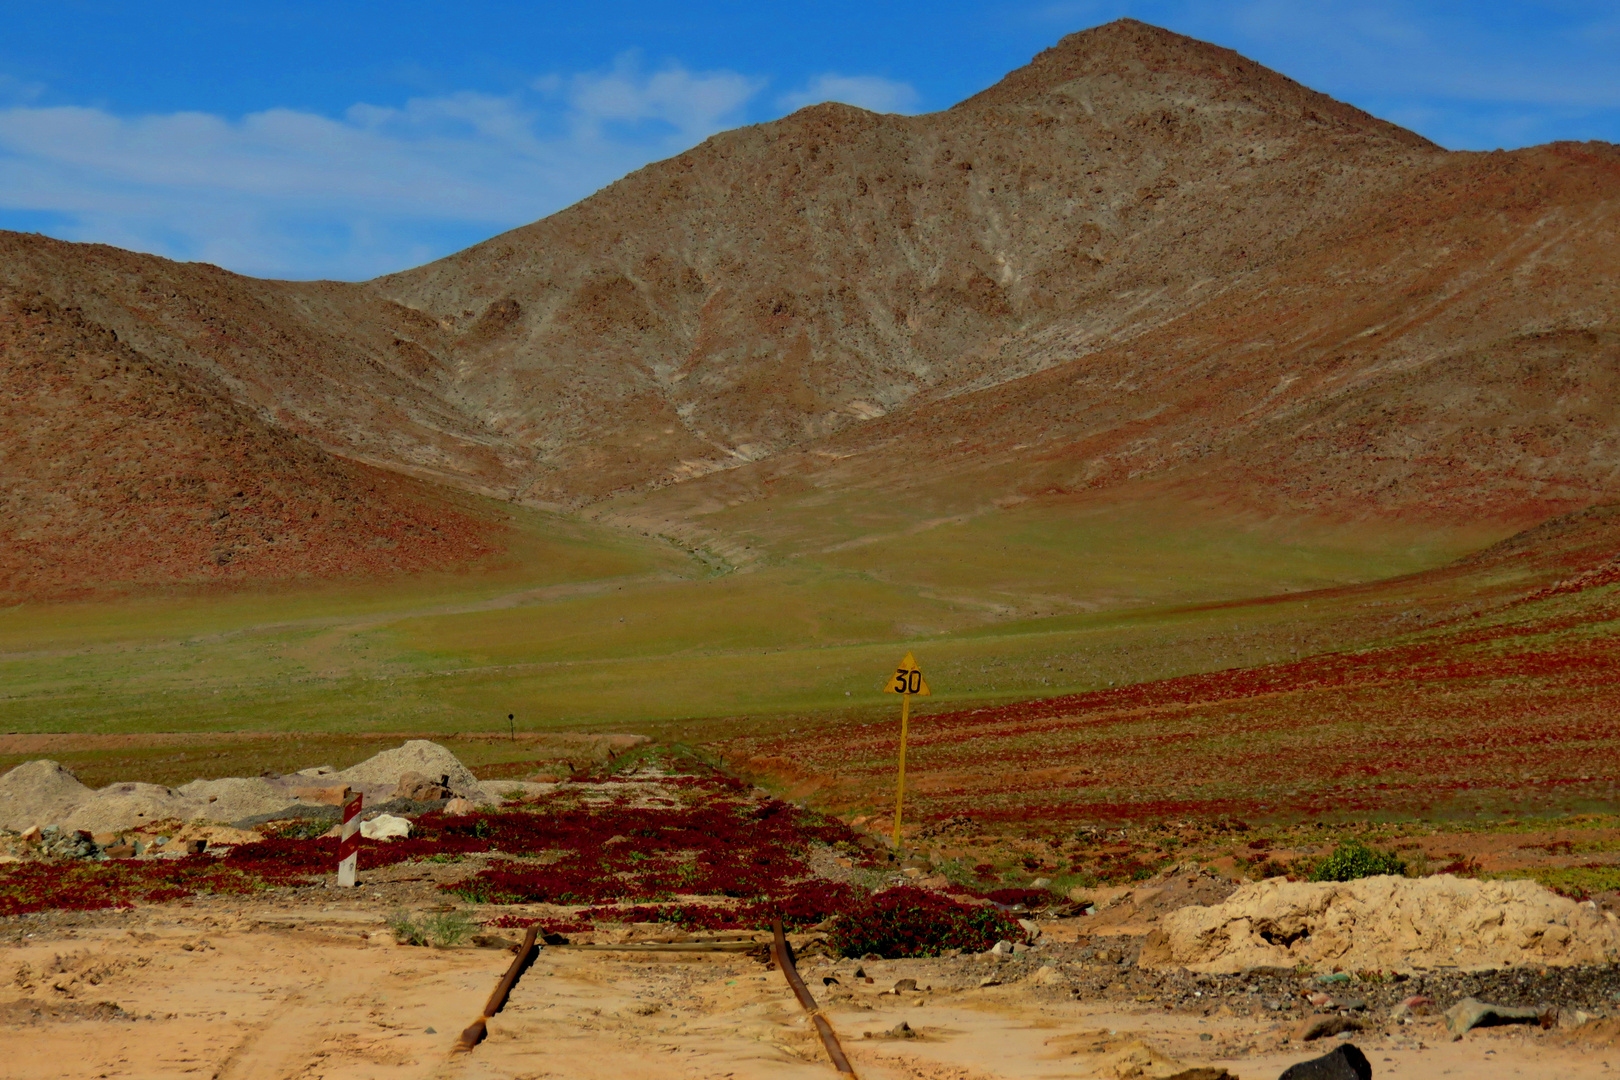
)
(1159, 65)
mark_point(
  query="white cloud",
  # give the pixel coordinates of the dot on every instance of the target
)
(866, 91)
(694, 105)
(380, 188)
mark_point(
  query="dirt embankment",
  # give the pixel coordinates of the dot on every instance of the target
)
(1385, 924)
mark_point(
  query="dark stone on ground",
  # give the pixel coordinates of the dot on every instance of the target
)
(1344, 1063)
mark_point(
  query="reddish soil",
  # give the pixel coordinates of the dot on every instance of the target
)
(122, 469)
(1507, 708)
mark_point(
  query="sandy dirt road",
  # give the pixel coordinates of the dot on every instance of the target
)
(235, 992)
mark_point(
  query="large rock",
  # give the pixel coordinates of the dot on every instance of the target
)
(38, 793)
(1387, 923)
(385, 827)
(1346, 1062)
(383, 771)
(1320, 1027)
(419, 788)
(44, 793)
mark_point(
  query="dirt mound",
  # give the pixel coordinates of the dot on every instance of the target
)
(418, 755)
(38, 793)
(1121, 908)
(122, 806)
(44, 793)
(234, 798)
(1384, 924)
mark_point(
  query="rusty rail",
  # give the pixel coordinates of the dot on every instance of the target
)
(783, 952)
(479, 1029)
(664, 946)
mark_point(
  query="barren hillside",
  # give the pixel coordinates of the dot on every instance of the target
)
(784, 282)
(1449, 353)
(1138, 259)
(116, 468)
(325, 360)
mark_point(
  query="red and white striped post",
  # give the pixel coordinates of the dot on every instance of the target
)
(349, 845)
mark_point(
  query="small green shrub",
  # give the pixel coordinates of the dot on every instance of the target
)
(445, 928)
(298, 828)
(1352, 859)
(407, 931)
(449, 928)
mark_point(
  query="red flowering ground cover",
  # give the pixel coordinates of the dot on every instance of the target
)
(87, 886)
(718, 839)
(1512, 711)
(909, 921)
(723, 841)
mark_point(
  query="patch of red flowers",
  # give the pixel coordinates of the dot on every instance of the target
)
(721, 840)
(731, 846)
(908, 921)
(89, 886)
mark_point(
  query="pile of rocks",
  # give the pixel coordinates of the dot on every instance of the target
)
(55, 842)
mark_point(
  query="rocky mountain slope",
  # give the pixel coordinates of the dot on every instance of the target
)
(785, 282)
(117, 467)
(1448, 352)
(1139, 259)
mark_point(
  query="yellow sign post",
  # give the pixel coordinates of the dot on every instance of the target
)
(907, 680)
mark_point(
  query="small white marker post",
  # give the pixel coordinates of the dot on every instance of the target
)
(349, 845)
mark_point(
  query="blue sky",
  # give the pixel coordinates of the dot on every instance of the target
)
(343, 140)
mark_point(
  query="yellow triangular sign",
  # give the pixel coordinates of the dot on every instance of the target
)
(907, 679)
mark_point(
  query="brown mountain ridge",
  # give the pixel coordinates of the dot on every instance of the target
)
(1140, 259)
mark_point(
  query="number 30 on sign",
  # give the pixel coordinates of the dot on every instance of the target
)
(908, 679)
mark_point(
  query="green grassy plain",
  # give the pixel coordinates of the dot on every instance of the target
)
(586, 626)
